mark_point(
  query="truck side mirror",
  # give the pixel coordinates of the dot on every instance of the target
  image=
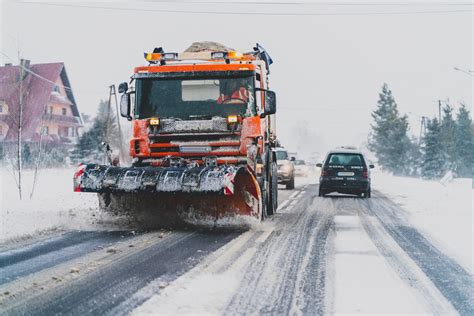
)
(292, 158)
(123, 87)
(270, 102)
(125, 106)
(371, 166)
(319, 165)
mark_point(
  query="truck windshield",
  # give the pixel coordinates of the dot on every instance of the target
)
(194, 98)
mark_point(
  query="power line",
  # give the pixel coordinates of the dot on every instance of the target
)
(34, 73)
(247, 13)
(318, 3)
(299, 3)
(467, 72)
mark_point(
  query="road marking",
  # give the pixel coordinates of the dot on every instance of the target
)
(294, 195)
(283, 205)
(264, 236)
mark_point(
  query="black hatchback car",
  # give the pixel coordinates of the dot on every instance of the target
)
(345, 171)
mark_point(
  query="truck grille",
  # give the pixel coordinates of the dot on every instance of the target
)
(206, 144)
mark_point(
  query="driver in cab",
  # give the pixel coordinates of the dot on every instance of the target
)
(234, 93)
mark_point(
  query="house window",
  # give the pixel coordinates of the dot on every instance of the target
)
(44, 130)
(3, 108)
(56, 89)
(64, 111)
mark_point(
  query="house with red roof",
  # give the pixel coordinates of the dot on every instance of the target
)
(50, 113)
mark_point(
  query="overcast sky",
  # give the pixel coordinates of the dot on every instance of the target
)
(330, 61)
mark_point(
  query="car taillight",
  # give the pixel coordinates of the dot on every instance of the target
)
(365, 174)
(324, 173)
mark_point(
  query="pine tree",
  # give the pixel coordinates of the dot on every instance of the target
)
(434, 157)
(389, 140)
(448, 136)
(464, 143)
(103, 130)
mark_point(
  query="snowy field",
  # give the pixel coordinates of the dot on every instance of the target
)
(53, 205)
(444, 213)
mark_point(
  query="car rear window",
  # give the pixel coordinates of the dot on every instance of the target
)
(345, 160)
(281, 155)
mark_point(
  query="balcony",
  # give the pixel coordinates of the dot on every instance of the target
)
(74, 120)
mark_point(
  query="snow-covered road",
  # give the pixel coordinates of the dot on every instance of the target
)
(318, 255)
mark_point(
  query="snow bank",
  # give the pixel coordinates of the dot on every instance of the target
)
(443, 212)
(53, 205)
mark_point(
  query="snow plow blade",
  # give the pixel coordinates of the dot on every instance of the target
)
(189, 192)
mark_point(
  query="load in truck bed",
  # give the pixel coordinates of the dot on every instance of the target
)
(184, 192)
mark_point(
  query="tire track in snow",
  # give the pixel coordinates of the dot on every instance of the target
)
(16, 263)
(452, 280)
(100, 291)
(409, 272)
(296, 247)
(310, 298)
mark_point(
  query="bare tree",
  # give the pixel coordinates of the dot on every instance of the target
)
(20, 123)
(16, 121)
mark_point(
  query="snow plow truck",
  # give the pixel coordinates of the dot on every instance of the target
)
(203, 130)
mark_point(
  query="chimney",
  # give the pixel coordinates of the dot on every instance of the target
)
(25, 63)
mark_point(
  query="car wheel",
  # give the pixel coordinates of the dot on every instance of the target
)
(291, 184)
(321, 192)
(368, 193)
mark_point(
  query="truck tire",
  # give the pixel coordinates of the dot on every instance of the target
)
(291, 184)
(273, 181)
(264, 204)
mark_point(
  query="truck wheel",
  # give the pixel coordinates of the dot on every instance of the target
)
(291, 184)
(273, 198)
(264, 204)
(275, 187)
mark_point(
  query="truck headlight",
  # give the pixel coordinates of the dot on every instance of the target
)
(154, 121)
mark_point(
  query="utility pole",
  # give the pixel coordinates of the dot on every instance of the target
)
(422, 129)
